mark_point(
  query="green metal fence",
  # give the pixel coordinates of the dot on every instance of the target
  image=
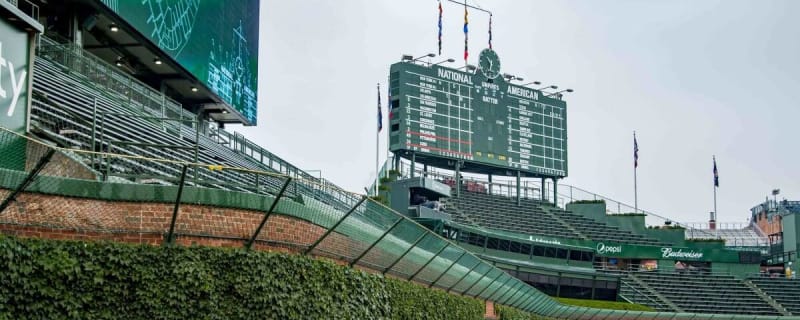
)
(355, 229)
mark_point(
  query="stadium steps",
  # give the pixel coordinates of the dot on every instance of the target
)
(774, 303)
(784, 291)
(706, 293)
(64, 102)
(634, 290)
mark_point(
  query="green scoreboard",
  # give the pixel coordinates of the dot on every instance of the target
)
(440, 114)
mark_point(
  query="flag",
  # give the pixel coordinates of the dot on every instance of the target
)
(440, 31)
(635, 152)
(466, 34)
(716, 174)
(380, 116)
(490, 31)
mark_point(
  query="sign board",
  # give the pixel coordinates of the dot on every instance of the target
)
(15, 75)
(443, 114)
(216, 41)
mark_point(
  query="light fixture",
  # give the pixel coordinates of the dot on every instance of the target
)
(451, 60)
(157, 61)
(511, 77)
(224, 111)
(194, 89)
(430, 55)
(554, 87)
(559, 93)
(406, 57)
(536, 83)
(469, 67)
(119, 62)
(113, 27)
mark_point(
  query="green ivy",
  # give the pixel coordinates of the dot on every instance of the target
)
(46, 279)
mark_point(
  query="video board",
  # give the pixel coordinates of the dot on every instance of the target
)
(216, 41)
(440, 113)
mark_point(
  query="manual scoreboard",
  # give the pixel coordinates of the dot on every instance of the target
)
(441, 114)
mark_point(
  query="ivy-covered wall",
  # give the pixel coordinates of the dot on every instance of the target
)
(48, 279)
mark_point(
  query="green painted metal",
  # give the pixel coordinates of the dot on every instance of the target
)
(28, 179)
(500, 123)
(268, 213)
(476, 282)
(428, 262)
(464, 276)
(448, 269)
(412, 246)
(171, 234)
(331, 229)
(361, 255)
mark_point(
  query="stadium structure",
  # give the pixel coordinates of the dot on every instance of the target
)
(112, 128)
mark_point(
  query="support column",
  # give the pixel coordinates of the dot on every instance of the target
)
(424, 170)
(458, 178)
(490, 183)
(555, 191)
(518, 188)
(413, 163)
(542, 191)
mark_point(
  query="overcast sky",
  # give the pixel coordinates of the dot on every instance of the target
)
(692, 78)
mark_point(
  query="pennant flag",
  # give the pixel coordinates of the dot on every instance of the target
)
(635, 152)
(380, 116)
(440, 31)
(490, 31)
(466, 33)
(716, 174)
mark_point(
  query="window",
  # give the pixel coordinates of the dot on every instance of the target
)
(492, 244)
(561, 253)
(504, 245)
(514, 247)
(538, 251)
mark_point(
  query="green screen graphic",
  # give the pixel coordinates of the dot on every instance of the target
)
(443, 113)
(215, 40)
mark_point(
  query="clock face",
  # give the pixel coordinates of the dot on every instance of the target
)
(489, 63)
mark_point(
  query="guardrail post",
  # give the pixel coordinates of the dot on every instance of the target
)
(489, 297)
(464, 276)
(267, 214)
(171, 233)
(328, 232)
(448, 269)
(28, 179)
(513, 288)
(413, 245)
(490, 284)
(352, 263)
(428, 262)
(476, 282)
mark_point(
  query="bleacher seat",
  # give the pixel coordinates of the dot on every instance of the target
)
(702, 293)
(784, 291)
(531, 217)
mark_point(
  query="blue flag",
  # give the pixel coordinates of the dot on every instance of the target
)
(380, 116)
(716, 174)
(635, 152)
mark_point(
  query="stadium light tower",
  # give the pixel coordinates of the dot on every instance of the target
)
(450, 60)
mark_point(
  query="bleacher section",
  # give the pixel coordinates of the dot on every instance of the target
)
(784, 291)
(702, 293)
(533, 217)
(745, 237)
(70, 108)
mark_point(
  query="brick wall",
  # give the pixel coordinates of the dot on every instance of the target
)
(66, 218)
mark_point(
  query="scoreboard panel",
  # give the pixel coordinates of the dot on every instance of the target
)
(442, 113)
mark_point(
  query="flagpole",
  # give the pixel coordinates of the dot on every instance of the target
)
(377, 141)
(714, 158)
(635, 166)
